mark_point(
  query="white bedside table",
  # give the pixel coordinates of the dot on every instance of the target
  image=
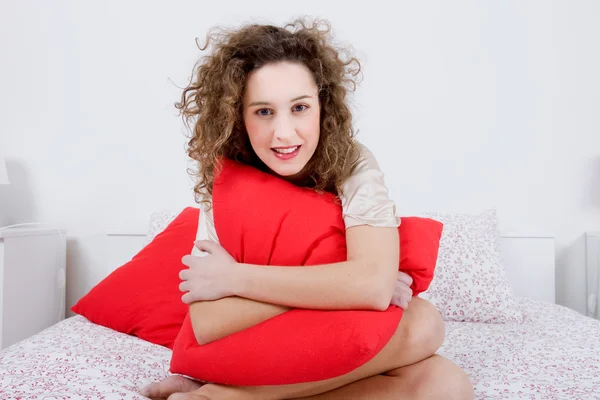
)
(32, 281)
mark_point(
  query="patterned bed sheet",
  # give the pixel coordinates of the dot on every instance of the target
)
(554, 354)
(77, 359)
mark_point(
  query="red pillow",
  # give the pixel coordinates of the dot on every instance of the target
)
(142, 297)
(263, 220)
(152, 308)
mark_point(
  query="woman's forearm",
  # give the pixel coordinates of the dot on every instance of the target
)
(214, 320)
(365, 281)
(343, 285)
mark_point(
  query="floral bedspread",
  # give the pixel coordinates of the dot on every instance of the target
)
(554, 354)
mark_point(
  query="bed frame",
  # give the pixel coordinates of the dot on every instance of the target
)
(529, 259)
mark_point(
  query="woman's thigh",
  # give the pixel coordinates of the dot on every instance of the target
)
(434, 378)
(418, 336)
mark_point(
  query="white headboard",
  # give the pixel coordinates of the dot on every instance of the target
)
(530, 264)
(529, 259)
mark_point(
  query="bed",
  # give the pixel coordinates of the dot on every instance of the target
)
(551, 352)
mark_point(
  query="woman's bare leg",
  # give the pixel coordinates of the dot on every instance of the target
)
(433, 378)
(418, 336)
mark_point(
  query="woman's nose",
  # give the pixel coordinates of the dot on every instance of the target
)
(284, 128)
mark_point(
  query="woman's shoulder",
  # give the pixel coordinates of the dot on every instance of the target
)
(364, 195)
(366, 160)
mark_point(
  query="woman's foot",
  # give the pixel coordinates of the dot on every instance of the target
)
(170, 385)
(217, 392)
(188, 396)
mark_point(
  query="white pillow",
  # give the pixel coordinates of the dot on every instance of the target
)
(159, 220)
(470, 282)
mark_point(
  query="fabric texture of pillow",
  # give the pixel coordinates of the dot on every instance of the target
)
(470, 282)
(264, 220)
(142, 297)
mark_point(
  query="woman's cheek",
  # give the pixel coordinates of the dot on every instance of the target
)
(255, 128)
(311, 124)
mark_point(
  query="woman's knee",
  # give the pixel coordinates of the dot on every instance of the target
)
(464, 387)
(436, 378)
(444, 380)
(459, 386)
(425, 328)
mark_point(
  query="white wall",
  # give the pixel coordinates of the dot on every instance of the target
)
(467, 105)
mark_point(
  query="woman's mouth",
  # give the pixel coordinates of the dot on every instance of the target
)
(286, 153)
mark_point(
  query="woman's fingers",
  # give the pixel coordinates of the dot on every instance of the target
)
(207, 246)
(184, 287)
(184, 274)
(405, 278)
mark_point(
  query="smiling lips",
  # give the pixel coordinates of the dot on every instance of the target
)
(286, 153)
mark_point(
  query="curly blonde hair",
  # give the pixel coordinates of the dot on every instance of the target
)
(212, 108)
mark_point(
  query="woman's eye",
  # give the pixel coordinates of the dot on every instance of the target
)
(300, 107)
(263, 112)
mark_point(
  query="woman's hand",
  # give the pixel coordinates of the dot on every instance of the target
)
(208, 277)
(402, 292)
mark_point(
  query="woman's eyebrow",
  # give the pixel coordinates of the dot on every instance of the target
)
(266, 103)
(300, 98)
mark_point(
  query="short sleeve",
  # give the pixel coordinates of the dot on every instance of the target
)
(364, 195)
(206, 228)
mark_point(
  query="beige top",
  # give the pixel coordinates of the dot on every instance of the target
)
(364, 197)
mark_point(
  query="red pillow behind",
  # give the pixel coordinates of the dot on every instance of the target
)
(261, 219)
(142, 297)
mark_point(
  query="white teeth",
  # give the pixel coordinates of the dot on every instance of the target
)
(286, 151)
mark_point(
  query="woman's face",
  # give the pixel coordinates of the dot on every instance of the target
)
(282, 116)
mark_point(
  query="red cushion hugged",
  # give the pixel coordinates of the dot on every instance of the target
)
(142, 297)
(261, 219)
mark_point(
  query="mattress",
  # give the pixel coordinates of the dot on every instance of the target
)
(553, 354)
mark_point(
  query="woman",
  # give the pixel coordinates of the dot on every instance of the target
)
(276, 98)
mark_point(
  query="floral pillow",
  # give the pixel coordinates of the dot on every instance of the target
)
(470, 282)
(159, 220)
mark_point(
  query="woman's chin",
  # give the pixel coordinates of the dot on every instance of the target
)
(288, 173)
(285, 171)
